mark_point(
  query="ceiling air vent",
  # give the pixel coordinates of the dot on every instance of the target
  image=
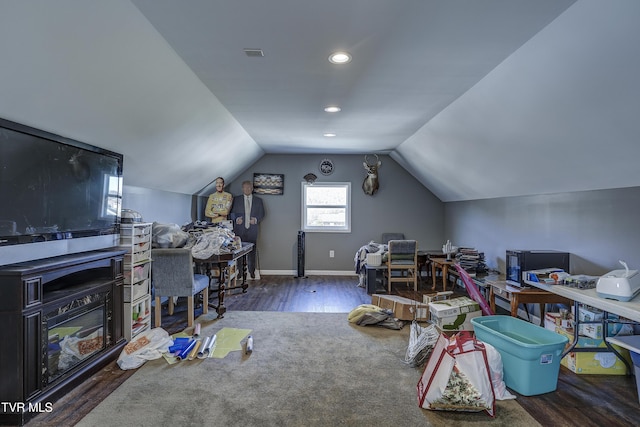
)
(254, 52)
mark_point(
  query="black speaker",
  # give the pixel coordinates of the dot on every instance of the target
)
(300, 254)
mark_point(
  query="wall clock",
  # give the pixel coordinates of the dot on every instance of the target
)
(326, 167)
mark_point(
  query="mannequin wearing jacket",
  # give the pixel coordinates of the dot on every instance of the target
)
(247, 212)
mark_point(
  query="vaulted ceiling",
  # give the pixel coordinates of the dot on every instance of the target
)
(476, 99)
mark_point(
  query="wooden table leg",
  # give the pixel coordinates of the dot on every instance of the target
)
(514, 304)
(209, 268)
(222, 281)
(433, 275)
(492, 299)
(445, 276)
(245, 284)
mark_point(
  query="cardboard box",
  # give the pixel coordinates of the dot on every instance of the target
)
(460, 322)
(598, 363)
(453, 307)
(589, 314)
(454, 314)
(551, 320)
(591, 330)
(437, 296)
(594, 330)
(403, 308)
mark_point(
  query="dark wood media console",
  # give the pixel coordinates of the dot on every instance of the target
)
(61, 321)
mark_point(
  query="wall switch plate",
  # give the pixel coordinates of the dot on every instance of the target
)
(332, 254)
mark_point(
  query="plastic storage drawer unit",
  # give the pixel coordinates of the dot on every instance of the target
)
(530, 353)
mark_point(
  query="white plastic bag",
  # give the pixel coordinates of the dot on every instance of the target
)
(497, 375)
(148, 345)
(168, 236)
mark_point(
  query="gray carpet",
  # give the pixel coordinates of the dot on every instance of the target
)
(307, 369)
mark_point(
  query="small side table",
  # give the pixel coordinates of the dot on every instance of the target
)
(374, 279)
(443, 264)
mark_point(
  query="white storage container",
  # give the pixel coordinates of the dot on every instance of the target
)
(374, 259)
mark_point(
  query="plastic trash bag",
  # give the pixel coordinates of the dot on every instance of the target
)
(168, 236)
(497, 373)
(149, 345)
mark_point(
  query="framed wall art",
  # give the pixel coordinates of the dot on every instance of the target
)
(268, 183)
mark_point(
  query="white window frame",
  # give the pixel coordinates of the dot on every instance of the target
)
(112, 192)
(326, 229)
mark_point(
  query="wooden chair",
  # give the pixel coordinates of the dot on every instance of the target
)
(402, 259)
(172, 275)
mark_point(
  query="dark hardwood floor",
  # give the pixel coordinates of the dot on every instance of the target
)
(584, 400)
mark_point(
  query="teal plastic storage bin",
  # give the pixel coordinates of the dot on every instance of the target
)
(530, 353)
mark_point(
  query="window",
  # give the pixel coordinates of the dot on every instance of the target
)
(111, 195)
(326, 207)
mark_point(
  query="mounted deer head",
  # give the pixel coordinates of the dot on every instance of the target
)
(370, 184)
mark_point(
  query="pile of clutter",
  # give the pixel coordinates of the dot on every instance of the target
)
(471, 260)
(203, 241)
(452, 380)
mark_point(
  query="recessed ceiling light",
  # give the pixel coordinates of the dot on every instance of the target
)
(339, 58)
(330, 135)
(332, 109)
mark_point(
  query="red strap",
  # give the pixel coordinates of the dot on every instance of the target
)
(459, 339)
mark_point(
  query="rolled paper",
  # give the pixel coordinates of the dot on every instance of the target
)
(184, 353)
(175, 348)
(210, 345)
(194, 351)
(196, 330)
(249, 348)
(179, 344)
(201, 353)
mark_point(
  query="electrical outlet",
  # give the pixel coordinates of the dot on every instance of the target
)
(332, 254)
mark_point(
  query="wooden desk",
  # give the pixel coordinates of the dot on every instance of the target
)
(217, 267)
(524, 296)
(443, 264)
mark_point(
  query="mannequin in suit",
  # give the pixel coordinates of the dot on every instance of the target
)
(245, 223)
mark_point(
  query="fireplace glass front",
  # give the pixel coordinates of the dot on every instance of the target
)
(75, 331)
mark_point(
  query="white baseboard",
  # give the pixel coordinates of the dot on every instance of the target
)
(308, 273)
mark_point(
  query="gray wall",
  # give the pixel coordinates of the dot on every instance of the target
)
(401, 205)
(597, 227)
(157, 205)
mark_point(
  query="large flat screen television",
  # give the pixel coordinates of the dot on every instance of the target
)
(57, 195)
